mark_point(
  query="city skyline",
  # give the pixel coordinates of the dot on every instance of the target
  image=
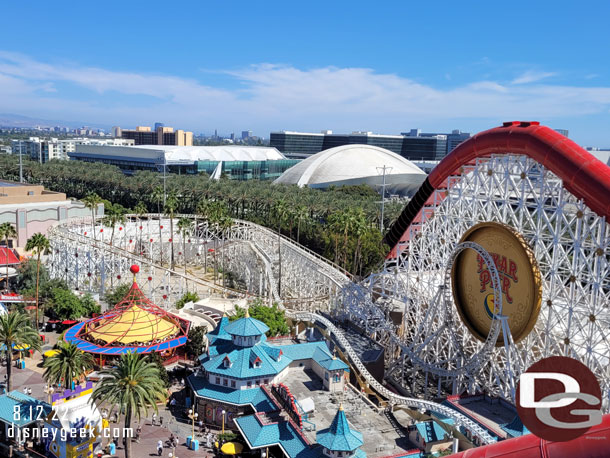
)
(394, 68)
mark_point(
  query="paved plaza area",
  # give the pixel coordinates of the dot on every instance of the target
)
(384, 433)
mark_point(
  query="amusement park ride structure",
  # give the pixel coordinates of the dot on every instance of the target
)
(452, 338)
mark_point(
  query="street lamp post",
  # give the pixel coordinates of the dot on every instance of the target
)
(223, 421)
(193, 416)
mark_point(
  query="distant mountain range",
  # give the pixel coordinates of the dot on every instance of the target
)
(15, 120)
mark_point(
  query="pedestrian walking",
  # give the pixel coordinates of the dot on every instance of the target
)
(159, 447)
(154, 419)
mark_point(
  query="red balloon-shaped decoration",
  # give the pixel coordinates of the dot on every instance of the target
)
(134, 269)
(120, 228)
(161, 227)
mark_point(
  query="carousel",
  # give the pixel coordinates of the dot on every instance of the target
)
(134, 325)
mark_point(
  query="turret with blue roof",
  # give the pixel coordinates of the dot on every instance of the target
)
(340, 438)
(239, 362)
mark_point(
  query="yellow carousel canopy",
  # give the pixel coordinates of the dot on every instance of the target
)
(135, 324)
(231, 448)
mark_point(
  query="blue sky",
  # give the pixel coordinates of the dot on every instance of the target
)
(381, 66)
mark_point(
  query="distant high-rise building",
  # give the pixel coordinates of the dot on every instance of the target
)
(159, 124)
(232, 137)
(453, 139)
(116, 132)
(143, 135)
(413, 147)
(246, 134)
(563, 132)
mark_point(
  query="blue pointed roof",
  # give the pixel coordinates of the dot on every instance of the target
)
(339, 437)
(219, 331)
(247, 327)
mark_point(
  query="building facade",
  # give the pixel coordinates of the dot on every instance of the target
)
(301, 144)
(31, 209)
(45, 149)
(234, 162)
(161, 135)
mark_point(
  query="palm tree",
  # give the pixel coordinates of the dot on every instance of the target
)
(301, 213)
(140, 209)
(68, 365)
(91, 201)
(171, 203)
(203, 208)
(158, 194)
(225, 223)
(134, 386)
(38, 244)
(16, 329)
(281, 211)
(115, 214)
(185, 227)
(7, 231)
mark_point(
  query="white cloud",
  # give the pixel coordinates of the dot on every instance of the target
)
(271, 97)
(532, 76)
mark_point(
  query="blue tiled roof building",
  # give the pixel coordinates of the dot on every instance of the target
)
(237, 371)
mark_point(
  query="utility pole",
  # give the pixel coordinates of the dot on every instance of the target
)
(164, 178)
(20, 164)
(383, 185)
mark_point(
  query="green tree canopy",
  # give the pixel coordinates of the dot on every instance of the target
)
(115, 296)
(196, 341)
(187, 297)
(65, 305)
(272, 316)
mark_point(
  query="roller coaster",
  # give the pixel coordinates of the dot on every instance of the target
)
(501, 258)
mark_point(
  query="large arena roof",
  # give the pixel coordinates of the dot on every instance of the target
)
(356, 164)
(179, 154)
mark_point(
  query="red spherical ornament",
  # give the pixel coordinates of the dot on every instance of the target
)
(101, 230)
(165, 296)
(149, 278)
(140, 227)
(151, 240)
(161, 227)
(130, 240)
(85, 233)
(118, 276)
(88, 274)
(189, 240)
(169, 240)
(179, 253)
(120, 228)
(134, 269)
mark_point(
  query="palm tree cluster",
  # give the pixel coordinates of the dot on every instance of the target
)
(309, 216)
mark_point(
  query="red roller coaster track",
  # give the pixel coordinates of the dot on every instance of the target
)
(595, 443)
(582, 174)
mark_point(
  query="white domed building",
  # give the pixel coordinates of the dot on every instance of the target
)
(354, 165)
